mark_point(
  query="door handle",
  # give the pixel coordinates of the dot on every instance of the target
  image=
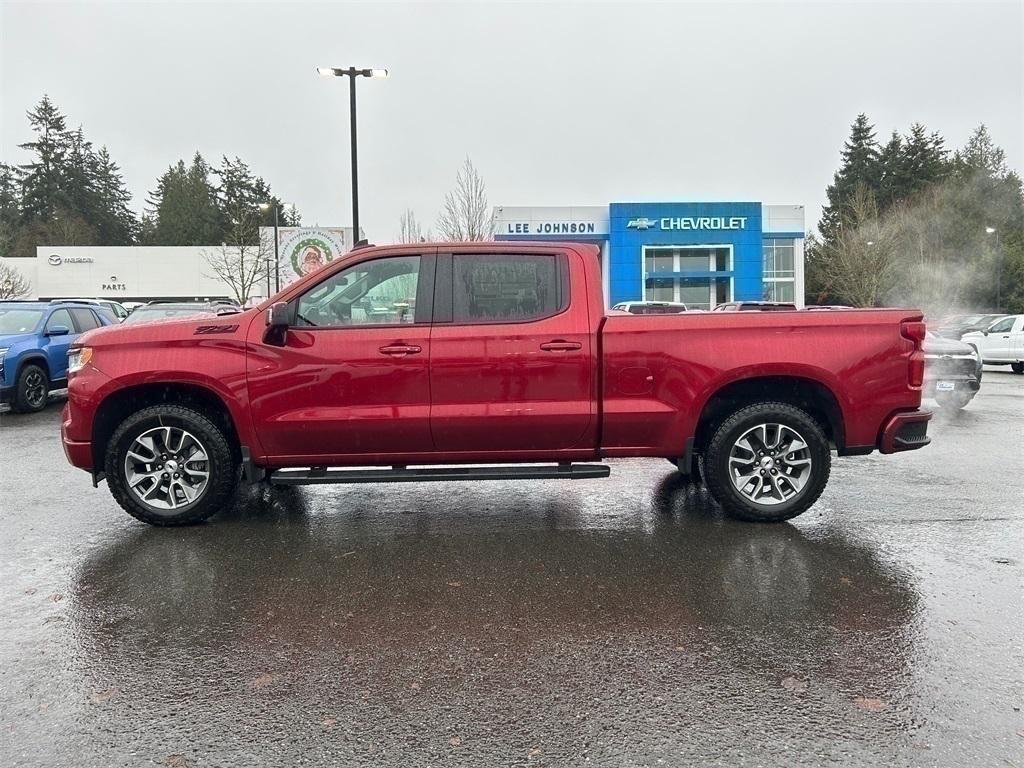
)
(400, 350)
(560, 346)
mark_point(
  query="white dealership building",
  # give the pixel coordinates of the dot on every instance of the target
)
(183, 273)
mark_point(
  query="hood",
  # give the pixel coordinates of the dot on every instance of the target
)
(191, 328)
(13, 338)
(938, 345)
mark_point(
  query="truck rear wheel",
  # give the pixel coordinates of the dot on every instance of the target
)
(767, 462)
(170, 465)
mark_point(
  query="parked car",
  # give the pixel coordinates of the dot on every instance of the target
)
(1001, 343)
(650, 307)
(165, 310)
(34, 341)
(507, 360)
(952, 371)
(116, 308)
(755, 306)
(956, 326)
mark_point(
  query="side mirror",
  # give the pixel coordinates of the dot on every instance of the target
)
(280, 316)
(58, 330)
(985, 332)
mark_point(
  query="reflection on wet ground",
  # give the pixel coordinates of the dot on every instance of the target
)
(618, 622)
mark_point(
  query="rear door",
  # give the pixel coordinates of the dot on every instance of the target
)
(512, 367)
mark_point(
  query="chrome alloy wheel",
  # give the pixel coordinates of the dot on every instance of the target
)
(770, 464)
(35, 389)
(167, 468)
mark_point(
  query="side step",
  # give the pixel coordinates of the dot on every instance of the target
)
(317, 475)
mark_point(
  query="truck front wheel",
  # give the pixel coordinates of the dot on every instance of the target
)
(767, 462)
(170, 465)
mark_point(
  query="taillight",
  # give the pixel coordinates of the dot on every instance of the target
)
(915, 331)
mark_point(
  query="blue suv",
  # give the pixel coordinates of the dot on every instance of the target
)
(34, 341)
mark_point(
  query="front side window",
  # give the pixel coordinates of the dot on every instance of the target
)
(510, 288)
(378, 292)
(60, 317)
(1002, 326)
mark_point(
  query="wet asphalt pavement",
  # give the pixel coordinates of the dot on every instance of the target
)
(610, 622)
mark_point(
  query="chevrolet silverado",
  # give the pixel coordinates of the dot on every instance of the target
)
(475, 361)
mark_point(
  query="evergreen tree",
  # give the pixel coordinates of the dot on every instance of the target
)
(10, 207)
(889, 160)
(42, 191)
(859, 169)
(118, 224)
(921, 163)
(184, 206)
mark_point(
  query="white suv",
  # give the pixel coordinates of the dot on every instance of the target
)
(1002, 343)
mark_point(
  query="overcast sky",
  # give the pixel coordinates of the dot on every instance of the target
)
(556, 104)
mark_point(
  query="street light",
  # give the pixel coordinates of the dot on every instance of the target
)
(277, 264)
(999, 269)
(352, 73)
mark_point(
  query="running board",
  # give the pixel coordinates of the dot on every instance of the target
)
(317, 475)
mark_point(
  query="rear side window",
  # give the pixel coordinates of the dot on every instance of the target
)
(508, 288)
(84, 319)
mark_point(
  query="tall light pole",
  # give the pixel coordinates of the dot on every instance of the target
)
(277, 262)
(999, 269)
(352, 73)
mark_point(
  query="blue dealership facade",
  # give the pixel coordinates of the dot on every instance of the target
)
(701, 254)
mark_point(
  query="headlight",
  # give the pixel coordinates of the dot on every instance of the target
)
(3, 353)
(78, 358)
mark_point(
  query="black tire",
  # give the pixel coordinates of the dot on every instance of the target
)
(953, 400)
(1017, 367)
(716, 462)
(31, 390)
(221, 464)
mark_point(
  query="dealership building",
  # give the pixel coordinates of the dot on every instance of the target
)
(701, 254)
(181, 273)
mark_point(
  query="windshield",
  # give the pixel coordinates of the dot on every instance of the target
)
(19, 320)
(148, 314)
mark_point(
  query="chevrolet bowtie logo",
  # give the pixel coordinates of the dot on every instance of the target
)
(643, 223)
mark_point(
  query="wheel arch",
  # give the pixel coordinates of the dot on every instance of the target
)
(123, 402)
(808, 394)
(36, 358)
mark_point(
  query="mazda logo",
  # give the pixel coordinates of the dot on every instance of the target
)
(54, 259)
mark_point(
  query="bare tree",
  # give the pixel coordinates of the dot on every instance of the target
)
(860, 265)
(466, 215)
(409, 230)
(13, 284)
(242, 262)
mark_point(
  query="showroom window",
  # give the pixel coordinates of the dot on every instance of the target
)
(779, 269)
(665, 277)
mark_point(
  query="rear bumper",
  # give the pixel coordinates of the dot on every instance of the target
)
(906, 431)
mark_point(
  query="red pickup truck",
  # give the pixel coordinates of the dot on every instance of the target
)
(470, 361)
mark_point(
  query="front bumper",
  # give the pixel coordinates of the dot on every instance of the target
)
(78, 452)
(7, 394)
(905, 431)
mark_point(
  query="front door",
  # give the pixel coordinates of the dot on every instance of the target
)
(351, 382)
(511, 362)
(999, 341)
(56, 347)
